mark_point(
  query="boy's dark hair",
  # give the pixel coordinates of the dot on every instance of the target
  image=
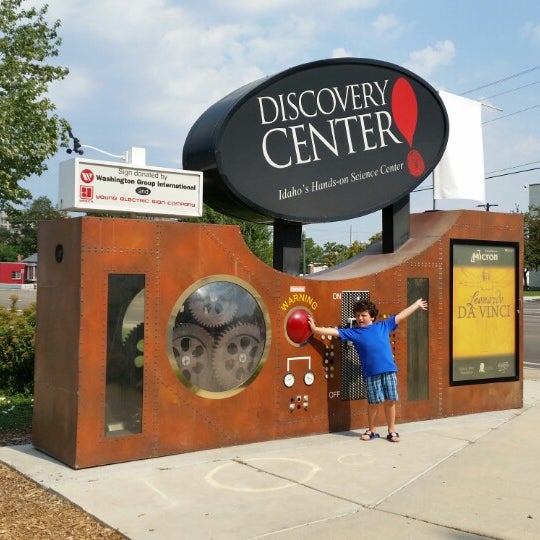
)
(366, 305)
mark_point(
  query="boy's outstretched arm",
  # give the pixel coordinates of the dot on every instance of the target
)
(327, 330)
(420, 303)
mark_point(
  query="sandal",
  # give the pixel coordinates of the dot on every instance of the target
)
(369, 434)
(393, 437)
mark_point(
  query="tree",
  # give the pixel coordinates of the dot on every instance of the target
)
(373, 239)
(334, 253)
(354, 249)
(24, 224)
(30, 132)
(312, 252)
(8, 253)
(532, 238)
(257, 237)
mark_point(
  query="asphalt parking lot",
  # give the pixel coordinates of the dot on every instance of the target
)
(24, 297)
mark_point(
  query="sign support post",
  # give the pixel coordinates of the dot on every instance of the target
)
(396, 224)
(287, 246)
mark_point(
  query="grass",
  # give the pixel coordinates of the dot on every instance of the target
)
(16, 411)
(531, 293)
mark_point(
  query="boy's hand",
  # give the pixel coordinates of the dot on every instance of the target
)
(423, 304)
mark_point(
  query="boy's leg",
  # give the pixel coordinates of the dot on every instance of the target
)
(375, 396)
(372, 415)
(390, 413)
(391, 397)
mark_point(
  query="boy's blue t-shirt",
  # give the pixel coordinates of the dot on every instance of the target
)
(372, 343)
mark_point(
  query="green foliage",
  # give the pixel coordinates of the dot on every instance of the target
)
(29, 129)
(329, 255)
(532, 238)
(375, 238)
(312, 253)
(22, 237)
(16, 411)
(17, 345)
(8, 253)
(257, 237)
(354, 249)
(334, 253)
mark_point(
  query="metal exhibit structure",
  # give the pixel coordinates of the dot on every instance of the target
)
(159, 337)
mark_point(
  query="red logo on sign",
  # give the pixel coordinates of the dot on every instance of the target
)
(87, 176)
(87, 193)
(405, 112)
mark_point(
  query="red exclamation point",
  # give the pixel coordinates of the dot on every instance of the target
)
(405, 113)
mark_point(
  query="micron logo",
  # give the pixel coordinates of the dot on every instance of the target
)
(480, 256)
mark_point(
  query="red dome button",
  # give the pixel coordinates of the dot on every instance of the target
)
(297, 326)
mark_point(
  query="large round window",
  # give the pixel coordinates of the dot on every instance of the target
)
(218, 337)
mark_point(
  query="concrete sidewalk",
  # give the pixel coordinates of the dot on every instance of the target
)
(460, 477)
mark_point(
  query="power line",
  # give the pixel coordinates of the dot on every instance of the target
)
(501, 80)
(510, 173)
(512, 90)
(513, 167)
(428, 188)
(422, 189)
(511, 114)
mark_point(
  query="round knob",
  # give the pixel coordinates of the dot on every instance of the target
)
(297, 327)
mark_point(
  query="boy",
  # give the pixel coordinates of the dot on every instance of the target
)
(372, 342)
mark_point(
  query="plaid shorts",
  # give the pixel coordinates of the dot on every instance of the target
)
(382, 387)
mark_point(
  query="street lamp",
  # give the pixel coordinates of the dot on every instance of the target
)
(133, 156)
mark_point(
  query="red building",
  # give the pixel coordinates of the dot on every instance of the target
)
(20, 273)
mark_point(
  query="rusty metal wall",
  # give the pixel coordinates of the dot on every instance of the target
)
(212, 372)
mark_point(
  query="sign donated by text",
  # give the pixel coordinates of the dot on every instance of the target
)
(101, 186)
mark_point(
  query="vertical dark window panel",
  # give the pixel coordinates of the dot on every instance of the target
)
(417, 342)
(125, 355)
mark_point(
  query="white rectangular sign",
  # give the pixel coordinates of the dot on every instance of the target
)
(101, 186)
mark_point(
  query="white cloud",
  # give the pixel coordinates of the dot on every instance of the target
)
(532, 31)
(528, 146)
(424, 62)
(387, 26)
(348, 5)
(193, 67)
(282, 7)
(121, 21)
(340, 52)
(260, 6)
(173, 57)
(68, 93)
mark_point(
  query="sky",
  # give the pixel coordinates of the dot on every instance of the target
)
(142, 72)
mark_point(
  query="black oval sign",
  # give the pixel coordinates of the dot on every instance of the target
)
(143, 190)
(324, 141)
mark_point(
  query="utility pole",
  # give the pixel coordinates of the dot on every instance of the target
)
(487, 206)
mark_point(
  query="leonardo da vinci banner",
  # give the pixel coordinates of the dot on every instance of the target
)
(484, 321)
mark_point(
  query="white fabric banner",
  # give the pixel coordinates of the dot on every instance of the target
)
(460, 173)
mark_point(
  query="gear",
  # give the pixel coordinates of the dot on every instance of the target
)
(213, 305)
(236, 355)
(134, 345)
(192, 347)
(125, 382)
